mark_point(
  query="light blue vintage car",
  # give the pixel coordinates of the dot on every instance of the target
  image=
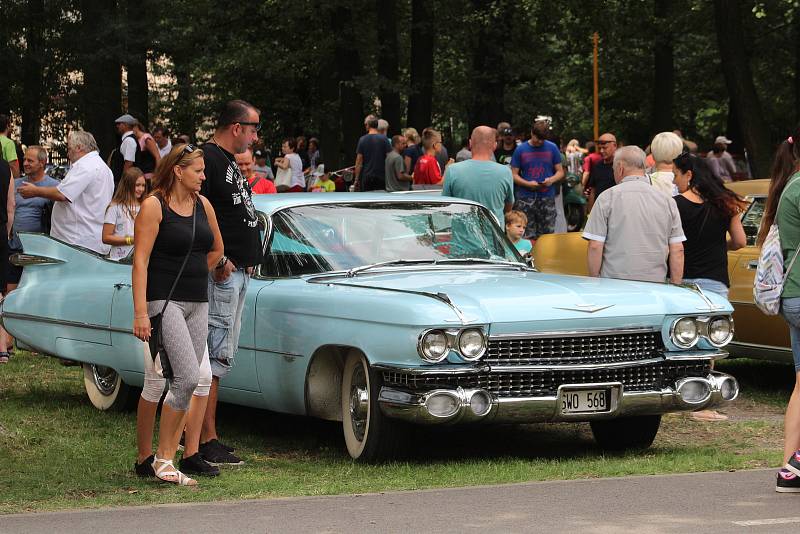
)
(380, 310)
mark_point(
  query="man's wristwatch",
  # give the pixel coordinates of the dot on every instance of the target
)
(221, 263)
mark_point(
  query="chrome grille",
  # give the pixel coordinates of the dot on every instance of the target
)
(646, 377)
(591, 349)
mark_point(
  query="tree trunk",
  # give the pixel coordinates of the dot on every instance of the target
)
(741, 89)
(664, 71)
(420, 99)
(32, 74)
(348, 63)
(137, 87)
(488, 72)
(796, 34)
(102, 81)
(388, 63)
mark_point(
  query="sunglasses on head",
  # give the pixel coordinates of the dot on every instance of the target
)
(188, 149)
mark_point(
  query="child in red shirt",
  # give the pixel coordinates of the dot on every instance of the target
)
(427, 171)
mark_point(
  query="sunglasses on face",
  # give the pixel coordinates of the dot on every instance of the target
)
(256, 125)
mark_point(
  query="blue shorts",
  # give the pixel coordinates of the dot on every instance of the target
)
(790, 309)
(225, 306)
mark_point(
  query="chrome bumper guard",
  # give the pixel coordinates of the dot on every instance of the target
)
(461, 405)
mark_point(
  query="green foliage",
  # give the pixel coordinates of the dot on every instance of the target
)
(282, 56)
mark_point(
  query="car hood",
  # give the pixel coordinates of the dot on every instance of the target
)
(506, 296)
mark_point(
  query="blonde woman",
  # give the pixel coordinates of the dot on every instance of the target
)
(177, 242)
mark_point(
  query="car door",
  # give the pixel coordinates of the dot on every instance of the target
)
(752, 326)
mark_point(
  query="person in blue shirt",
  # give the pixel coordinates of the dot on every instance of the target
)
(536, 167)
(516, 221)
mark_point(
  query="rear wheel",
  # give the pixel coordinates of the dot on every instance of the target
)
(106, 390)
(368, 434)
(626, 432)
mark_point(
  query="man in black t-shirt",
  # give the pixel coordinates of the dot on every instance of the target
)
(506, 145)
(371, 158)
(229, 194)
(601, 173)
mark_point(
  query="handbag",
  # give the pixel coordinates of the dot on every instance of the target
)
(157, 350)
(770, 276)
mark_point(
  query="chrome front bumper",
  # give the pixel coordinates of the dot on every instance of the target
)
(416, 406)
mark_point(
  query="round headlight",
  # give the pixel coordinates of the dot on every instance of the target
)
(684, 332)
(720, 331)
(471, 344)
(433, 346)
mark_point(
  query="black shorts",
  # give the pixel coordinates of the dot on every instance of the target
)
(13, 272)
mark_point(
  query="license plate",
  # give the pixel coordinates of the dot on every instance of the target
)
(585, 400)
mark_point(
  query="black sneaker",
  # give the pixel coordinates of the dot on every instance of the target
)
(794, 463)
(214, 454)
(788, 482)
(195, 465)
(145, 469)
(226, 447)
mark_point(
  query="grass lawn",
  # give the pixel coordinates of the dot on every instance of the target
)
(57, 451)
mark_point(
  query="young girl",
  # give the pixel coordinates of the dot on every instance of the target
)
(120, 214)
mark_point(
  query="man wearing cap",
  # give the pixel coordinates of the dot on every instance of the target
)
(601, 172)
(720, 160)
(127, 146)
(261, 167)
(506, 144)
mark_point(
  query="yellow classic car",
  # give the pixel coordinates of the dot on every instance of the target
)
(757, 335)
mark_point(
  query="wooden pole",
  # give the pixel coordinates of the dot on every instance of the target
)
(595, 38)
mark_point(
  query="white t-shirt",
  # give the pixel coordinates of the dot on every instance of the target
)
(166, 150)
(88, 186)
(296, 164)
(117, 215)
(128, 146)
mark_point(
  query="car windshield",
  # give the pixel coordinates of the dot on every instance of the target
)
(339, 237)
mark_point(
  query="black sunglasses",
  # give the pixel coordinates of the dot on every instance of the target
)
(256, 125)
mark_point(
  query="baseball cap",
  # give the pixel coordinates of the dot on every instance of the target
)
(259, 153)
(319, 171)
(722, 140)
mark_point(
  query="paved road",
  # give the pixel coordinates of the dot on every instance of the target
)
(710, 503)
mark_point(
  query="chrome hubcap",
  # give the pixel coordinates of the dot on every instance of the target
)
(105, 379)
(359, 403)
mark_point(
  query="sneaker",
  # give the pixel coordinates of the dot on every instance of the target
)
(214, 454)
(3, 357)
(794, 464)
(145, 469)
(195, 465)
(226, 447)
(788, 482)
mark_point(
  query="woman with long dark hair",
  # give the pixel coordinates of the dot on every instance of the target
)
(709, 211)
(177, 241)
(783, 207)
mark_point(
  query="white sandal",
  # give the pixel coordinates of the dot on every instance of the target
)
(165, 468)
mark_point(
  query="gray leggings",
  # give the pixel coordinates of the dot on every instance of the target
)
(184, 329)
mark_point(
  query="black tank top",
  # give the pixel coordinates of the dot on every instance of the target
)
(169, 249)
(705, 250)
(144, 160)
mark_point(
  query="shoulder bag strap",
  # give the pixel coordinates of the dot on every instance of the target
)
(796, 252)
(258, 179)
(185, 259)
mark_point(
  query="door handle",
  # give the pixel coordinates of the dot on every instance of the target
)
(752, 265)
(120, 285)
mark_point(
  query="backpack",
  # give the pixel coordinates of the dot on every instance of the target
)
(770, 275)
